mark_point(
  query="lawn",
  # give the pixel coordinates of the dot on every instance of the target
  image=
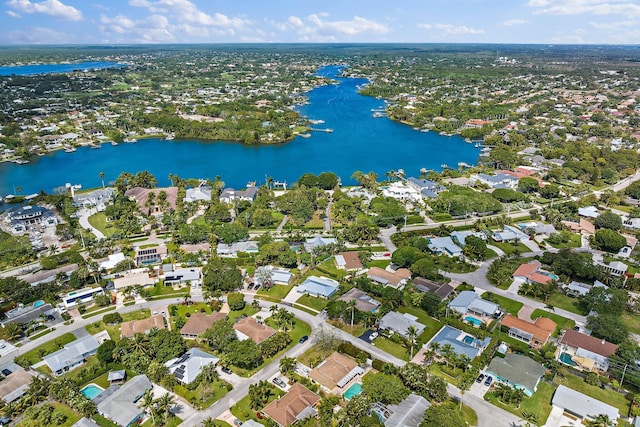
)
(509, 248)
(114, 330)
(173, 421)
(439, 371)
(242, 410)
(575, 241)
(160, 290)
(71, 416)
(395, 349)
(213, 392)
(632, 321)
(313, 356)
(248, 310)
(99, 221)
(315, 303)
(356, 331)
(568, 303)
(432, 325)
(563, 322)
(34, 356)
(94, 311)
(276, 292)
(380, 263)
(538, 404)
(509, 305)
(328, 267)
(470, 415)
(605, 395)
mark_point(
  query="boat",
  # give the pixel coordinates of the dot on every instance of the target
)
(305, 135)
(114, 143)
(169, 137)
(478, 145)
(95, 146)
(20, 161)
(131, 140)
(377, 115)
(444, 166)
(463, 165)
(70, 150)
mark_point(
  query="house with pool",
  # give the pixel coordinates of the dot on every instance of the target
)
(517, 371)
(474, 309)
(584, 351)
(119, 403)
(462, 343)
(532, 272)
(335, 373)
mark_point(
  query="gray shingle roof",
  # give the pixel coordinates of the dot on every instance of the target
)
(120, 407)
(581, 404)
(409, 412)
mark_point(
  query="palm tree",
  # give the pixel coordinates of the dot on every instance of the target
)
(601, 420)
(287, 365)
(165, 403)
(209, 374)
(147, 403)
(412, 333)
(209, 422)
(352, 307)
(101, 175)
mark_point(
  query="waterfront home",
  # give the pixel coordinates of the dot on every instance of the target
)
(442, 290)
(188, 366)
(400, 191)
(232, 250)
(444, 246)
(468, 303)
(198, 194)
(22, 218)
(143, 326)
(249, 328)
(462, 343)
(335, 372)
(319, 286)
(98, 199)
(349, 261)
(579, 406)
(141, 197)
(229, 195)
(584, 351)
(364, 302)
(501, 180)
(396, 279)
(400, 323)
(299, 403)
(517, 371)
(426, 188)
(75, 353)
(532, 272)
(120, 406)
(535, 334)
(409, 412)
(198, 324)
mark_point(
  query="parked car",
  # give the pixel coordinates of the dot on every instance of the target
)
(373, 336)
(4, 421)
(250, 286)
(226, 370)
(303, 339)
(480, 378)
(277, 381)
(257, 287)
(488, 380)
(238, 422)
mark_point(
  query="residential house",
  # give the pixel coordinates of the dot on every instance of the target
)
(584, 351)
(198, 194)
(469, 303)
(152, 255)
(535, 334)
(576, 404)
(232, 250)
(298, 404)
(80, 297)
(112, 261)
(533, 273)
(335, 372)
(396, 279)
(509, 234)
(85, 422)
(141, 197)
(183, 276)
(400, 191)
(616, 268)
(133, 278)
(461, 343)
(229, 195)
(408, 413)
(73, 354)
(120, 406)
(364, 302)
(537, 227)
(15, 385)
(98, 199)
(400, 323)
(349, 261)
(518, 371)
(22, 218)
(444, 246)
(426, 188)
(317, 241)
(578, 289)
(442, 290)
(319, 286)
(188, 366)
(249, 328)
(144, 326)
(22, 314)
(501, 180)
(279, 276)
(198, 323)
(118, 376)
(583, 226)
(460, 237)
(589, 212)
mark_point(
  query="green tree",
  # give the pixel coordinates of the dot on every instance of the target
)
(221, 274)
(447, 415)
(609, 327)
(609, 240)
(384, 388)
(608, 220)
(236, 301)
(220, 335)
(105, 352)
(244, 354)
(474, 248)
(528, 185)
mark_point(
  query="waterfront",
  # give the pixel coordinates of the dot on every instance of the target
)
(27, 70)
(358, 142)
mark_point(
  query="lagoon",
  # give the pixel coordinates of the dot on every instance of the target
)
(28, 70)
(358, 142)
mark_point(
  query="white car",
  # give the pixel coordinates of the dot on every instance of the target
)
(373, 336)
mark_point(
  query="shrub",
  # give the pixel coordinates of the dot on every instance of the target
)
(353, 351)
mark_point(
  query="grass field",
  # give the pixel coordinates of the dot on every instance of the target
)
(393, 348)
(509, 305)
(568, 303)
(563, 322)
(312, 302)
(276, 292)
(432, 325)
(215, 392)
(538, 404)
(605, 395)
(632, 321)
(34, 356)
(99, 221)
(71, 416)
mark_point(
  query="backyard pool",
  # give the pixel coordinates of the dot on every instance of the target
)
(91, 391)
(468, 339)
(567, 360)
(353, 391)
(473, 321)
(38, 304)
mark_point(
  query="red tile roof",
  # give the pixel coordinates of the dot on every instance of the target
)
(530, 272)
(285, 410)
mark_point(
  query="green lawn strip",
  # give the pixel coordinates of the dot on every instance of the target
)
(509, 305)
(443, 372)
(567, 303)
(192, 308)
(99, 222)
(212, 392)
(248, 311)
(34, 356)
(312, 356)
(160, 289)
(276, 292)
(242, 410)
(605, 395)
(173, 421)
(392, 348)
(632, 321)
(469, 415)
(328, 267)
(356, 331)
(538, 404)
(40, 334)
(314, 303)
(562, 322)
(380, 263)
(102, 421)
(95, 313)
(305, 309)
(489, 254)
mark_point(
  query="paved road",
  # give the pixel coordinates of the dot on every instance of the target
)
(385, 238)
(83, 217)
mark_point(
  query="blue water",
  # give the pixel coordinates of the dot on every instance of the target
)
(474, 321)
(566, 359)
(353, 391)
(359, 142)
(91, 391)
(27, 70)
(468, 339)
(38, 304)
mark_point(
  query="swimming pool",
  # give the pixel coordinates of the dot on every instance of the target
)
(353, 391)
(38, 304)
(567, 360)
(468, 339)
(473, 321)
(91, 391)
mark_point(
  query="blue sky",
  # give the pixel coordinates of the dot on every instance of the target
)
(241, 21)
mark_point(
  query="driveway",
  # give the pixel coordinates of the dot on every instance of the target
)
(83, 218)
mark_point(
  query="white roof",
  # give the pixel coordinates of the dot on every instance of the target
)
(187, 367)
(581, 404)
(112, 261)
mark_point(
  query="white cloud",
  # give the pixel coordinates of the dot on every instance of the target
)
(592, 7)
(12, 14)
(316, 27)
(152, 29)
(513, 22)
(187, 12)
(452, 30)
(53, 8)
